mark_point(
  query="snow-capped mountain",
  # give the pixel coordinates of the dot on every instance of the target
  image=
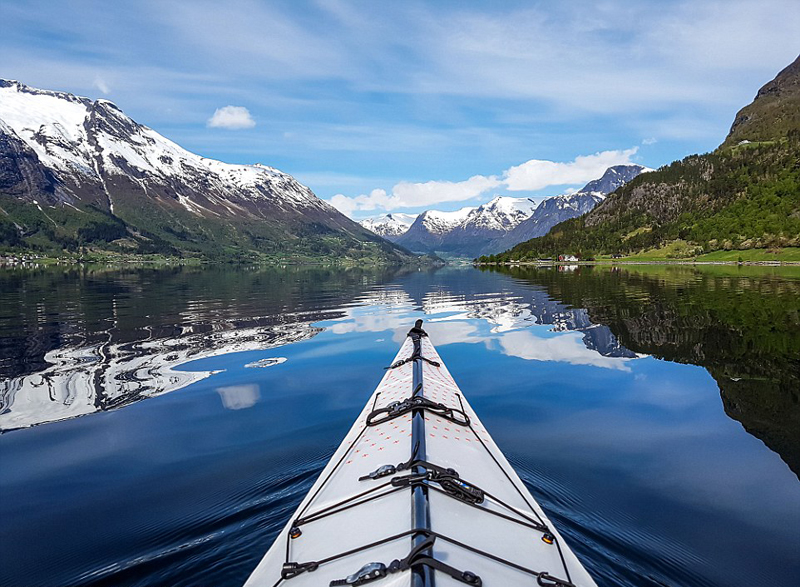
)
(429, 230)
(389, 225)
(437, 222)
(504, 222)
(552, 211)
(72, 153)
(467, 230)
(486, 223)
(549, 213)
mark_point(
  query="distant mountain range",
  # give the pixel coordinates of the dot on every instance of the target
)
(77, 173)
(498, 224)
(744, 195)
(467, 230)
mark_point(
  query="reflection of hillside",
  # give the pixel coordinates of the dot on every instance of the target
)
(83, 380)
(768, 409)
(49, 309)
(76, 342)
(744, 329)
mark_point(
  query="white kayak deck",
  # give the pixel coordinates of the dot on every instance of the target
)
(503, 550)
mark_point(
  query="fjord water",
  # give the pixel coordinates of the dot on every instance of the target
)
(160, 426)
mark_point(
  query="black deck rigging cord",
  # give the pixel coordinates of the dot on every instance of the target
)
(292, 569)
(413, 404)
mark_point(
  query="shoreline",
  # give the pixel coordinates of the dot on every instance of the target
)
(636, 262)
(33, 261)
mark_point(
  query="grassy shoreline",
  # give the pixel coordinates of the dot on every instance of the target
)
(625, 261)
(667, 256)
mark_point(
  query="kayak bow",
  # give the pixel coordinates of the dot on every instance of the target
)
(418, 493)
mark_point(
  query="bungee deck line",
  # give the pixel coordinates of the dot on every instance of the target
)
(457, 546)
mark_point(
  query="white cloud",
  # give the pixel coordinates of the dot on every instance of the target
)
(239, 397)
(377, 198)
(532, 175)
(408, 194)
(537, 173)
(232, 117)
(563, 348)
(649, 141)
(101, 85)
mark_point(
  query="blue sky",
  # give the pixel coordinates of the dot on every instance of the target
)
(407, 105)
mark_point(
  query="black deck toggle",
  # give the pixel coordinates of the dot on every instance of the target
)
(547, 580)
(402, 362)
(382, 471)
(366, 574)
(419, 556)
(291, 570)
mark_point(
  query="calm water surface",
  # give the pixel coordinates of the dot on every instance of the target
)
(159, 427)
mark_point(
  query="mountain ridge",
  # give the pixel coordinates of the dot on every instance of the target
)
(467, 230)
(743, 195)
(389, 225)
(76, 172)
(774, 110)
(500, 223)
(557, 209)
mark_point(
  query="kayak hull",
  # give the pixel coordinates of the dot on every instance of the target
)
(347, 521)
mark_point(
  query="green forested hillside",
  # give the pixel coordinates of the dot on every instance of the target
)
(88, 230)
(744, 195)
(739, 197)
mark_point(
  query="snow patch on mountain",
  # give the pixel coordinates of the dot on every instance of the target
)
(500, 213)
(50, 123)
(438, 222)
(389, 225)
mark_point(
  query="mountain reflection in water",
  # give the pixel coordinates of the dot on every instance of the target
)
(70, 369)
(90, 341)
(86, 379)
(741, 324)
(81, 341)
